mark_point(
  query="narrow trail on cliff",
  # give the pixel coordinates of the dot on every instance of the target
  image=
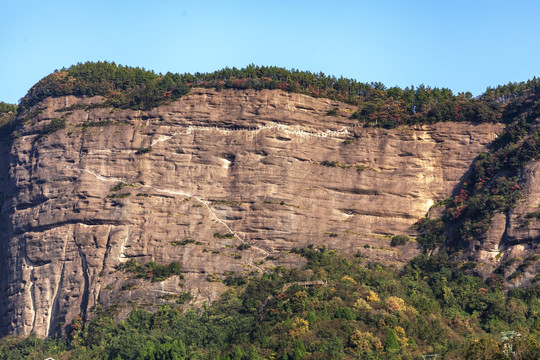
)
(333, 134)
(206, 204)
(189, 130)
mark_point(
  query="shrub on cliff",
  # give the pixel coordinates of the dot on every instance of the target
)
(398, 240)
(151, 270)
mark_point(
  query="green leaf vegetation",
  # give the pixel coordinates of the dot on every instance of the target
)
(398, 240)
(336, 307)
(122, 86)
(144, 150)
(7, 115)
(54, 125)
(151, 270)
(119, 186)
(136, 88)
(7, 112)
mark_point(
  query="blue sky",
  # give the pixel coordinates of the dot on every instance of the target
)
(462, 45)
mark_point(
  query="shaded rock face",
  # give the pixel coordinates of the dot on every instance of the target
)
(221, 182)
(511, 246)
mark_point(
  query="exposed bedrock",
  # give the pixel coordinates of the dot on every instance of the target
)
(202, 176)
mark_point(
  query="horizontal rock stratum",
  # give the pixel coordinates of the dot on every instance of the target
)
(220, 181)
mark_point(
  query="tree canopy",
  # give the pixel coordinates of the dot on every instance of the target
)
(362, 310)
(137, 88)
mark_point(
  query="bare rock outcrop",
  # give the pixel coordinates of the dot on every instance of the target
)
(221, 182)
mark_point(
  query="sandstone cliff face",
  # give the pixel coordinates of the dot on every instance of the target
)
(202, 176)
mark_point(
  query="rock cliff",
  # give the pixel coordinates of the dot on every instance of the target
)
(511, 246)
(221, 181)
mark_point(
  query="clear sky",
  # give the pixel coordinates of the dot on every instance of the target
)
(463, 45)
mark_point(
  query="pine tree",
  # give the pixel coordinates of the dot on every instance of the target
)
(391, 342)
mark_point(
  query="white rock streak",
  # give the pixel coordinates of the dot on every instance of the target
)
(168, 137)
(101, 177)
(122, 257)
(338, 134)
(333, 134)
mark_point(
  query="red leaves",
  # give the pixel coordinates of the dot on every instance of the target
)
(283, 86)
(460, 210)
(461, 197)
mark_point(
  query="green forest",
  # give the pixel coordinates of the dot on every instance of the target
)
(335, 307)
(136, 88)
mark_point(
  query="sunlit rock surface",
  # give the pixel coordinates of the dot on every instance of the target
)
(203, 176)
